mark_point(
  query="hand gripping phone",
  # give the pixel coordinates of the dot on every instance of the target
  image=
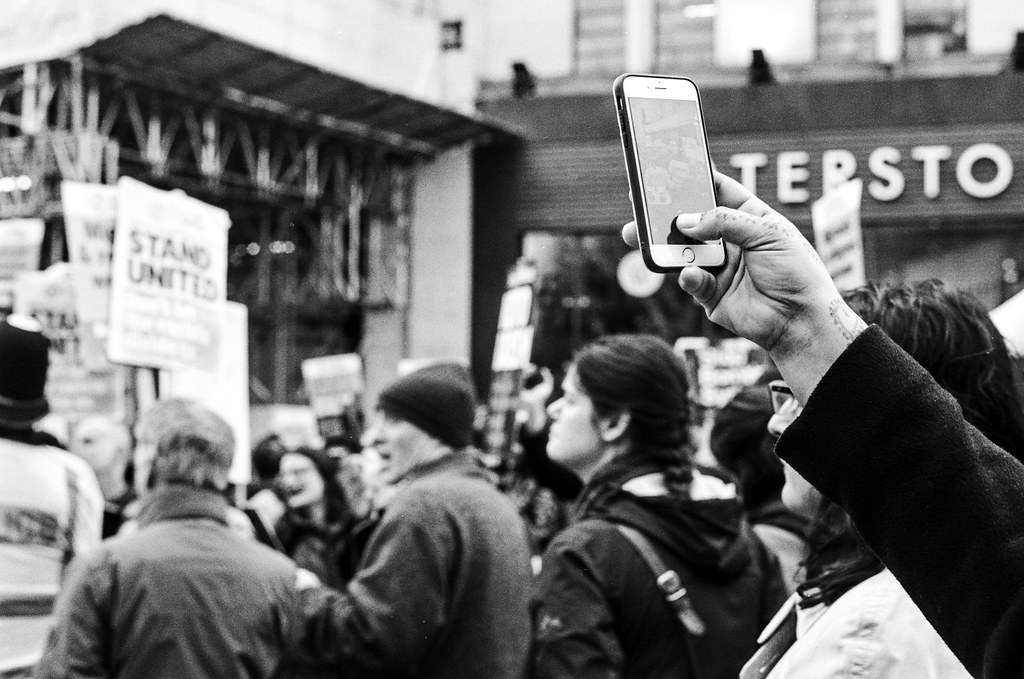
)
(669, 167)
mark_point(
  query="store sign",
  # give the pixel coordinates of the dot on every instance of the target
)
(887, 180)
(968, 172)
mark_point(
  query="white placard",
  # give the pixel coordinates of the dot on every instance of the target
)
(333, 382)
(169, 279)
(90, 213)
(1008, 318)
(226, 392)
(20, 243)
(837, 236)
(78, 383)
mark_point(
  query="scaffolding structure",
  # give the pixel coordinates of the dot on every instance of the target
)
(320, 206)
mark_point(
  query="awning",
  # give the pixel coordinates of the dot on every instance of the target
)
(198, 57)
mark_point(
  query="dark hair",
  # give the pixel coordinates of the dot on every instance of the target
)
(326, 466)
(742, 445)
(950, 333)
(640, 375)
(266, 458)
(837, 557)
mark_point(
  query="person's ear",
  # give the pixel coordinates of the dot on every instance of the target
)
(613, 427)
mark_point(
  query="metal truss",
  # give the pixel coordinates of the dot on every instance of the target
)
(319, 218)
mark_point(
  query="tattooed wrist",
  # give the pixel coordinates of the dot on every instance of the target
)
(845, 320)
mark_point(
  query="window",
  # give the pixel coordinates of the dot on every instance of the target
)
(934, 28)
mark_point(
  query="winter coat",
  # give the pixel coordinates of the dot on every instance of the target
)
(941, 505)
(331, 551)
(182, 596)
(442, 589)
(597, 609)
(51, 509)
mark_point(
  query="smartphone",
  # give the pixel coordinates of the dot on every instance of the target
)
(668, 165)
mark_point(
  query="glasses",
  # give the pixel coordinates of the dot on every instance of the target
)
(781, 395)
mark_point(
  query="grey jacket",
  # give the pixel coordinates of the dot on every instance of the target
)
(184, 596)
(442, 589)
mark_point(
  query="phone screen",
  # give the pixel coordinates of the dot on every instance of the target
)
(673, 163)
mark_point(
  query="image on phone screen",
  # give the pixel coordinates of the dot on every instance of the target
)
(673, 164)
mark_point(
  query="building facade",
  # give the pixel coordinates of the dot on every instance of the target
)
(921, 100)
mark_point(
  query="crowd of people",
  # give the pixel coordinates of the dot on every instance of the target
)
(862, 517)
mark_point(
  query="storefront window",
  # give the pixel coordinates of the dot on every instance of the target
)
(579, 297)
(933, 28)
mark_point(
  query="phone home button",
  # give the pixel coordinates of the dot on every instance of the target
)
(688, 255)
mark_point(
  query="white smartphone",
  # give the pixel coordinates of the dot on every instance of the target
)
(668, 165)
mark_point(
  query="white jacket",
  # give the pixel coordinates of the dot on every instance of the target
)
(874, 631)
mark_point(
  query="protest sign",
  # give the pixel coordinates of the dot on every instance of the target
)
(74, 387)
(90, 213)
(717, 370)
(168, 279)
(1008, 318)
(513, 346)
(835, 218)
(20, 243)
(334, 385)
(225, 391)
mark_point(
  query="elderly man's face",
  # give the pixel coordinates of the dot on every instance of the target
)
(400, 445)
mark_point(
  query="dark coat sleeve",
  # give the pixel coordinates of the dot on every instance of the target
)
(938, 502)
(384, 620)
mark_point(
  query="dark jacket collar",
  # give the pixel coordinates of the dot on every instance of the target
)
(458, 462)
(176, 502)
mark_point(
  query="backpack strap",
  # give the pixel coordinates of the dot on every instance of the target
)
(668, 580)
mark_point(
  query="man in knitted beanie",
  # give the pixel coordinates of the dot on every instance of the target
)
(442, 589)
(439, 401)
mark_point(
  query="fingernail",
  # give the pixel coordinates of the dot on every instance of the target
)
(687, 220)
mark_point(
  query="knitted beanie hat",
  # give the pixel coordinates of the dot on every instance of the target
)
(24, 360)
(439, 399)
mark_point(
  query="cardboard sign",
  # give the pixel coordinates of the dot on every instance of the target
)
(717, 370)
(75, 387)
(90, 214)
(169, 279)
(332, 382)
(513, 347)
(226, 392)
(20, 244)
(837, 235)
(1008, 318)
